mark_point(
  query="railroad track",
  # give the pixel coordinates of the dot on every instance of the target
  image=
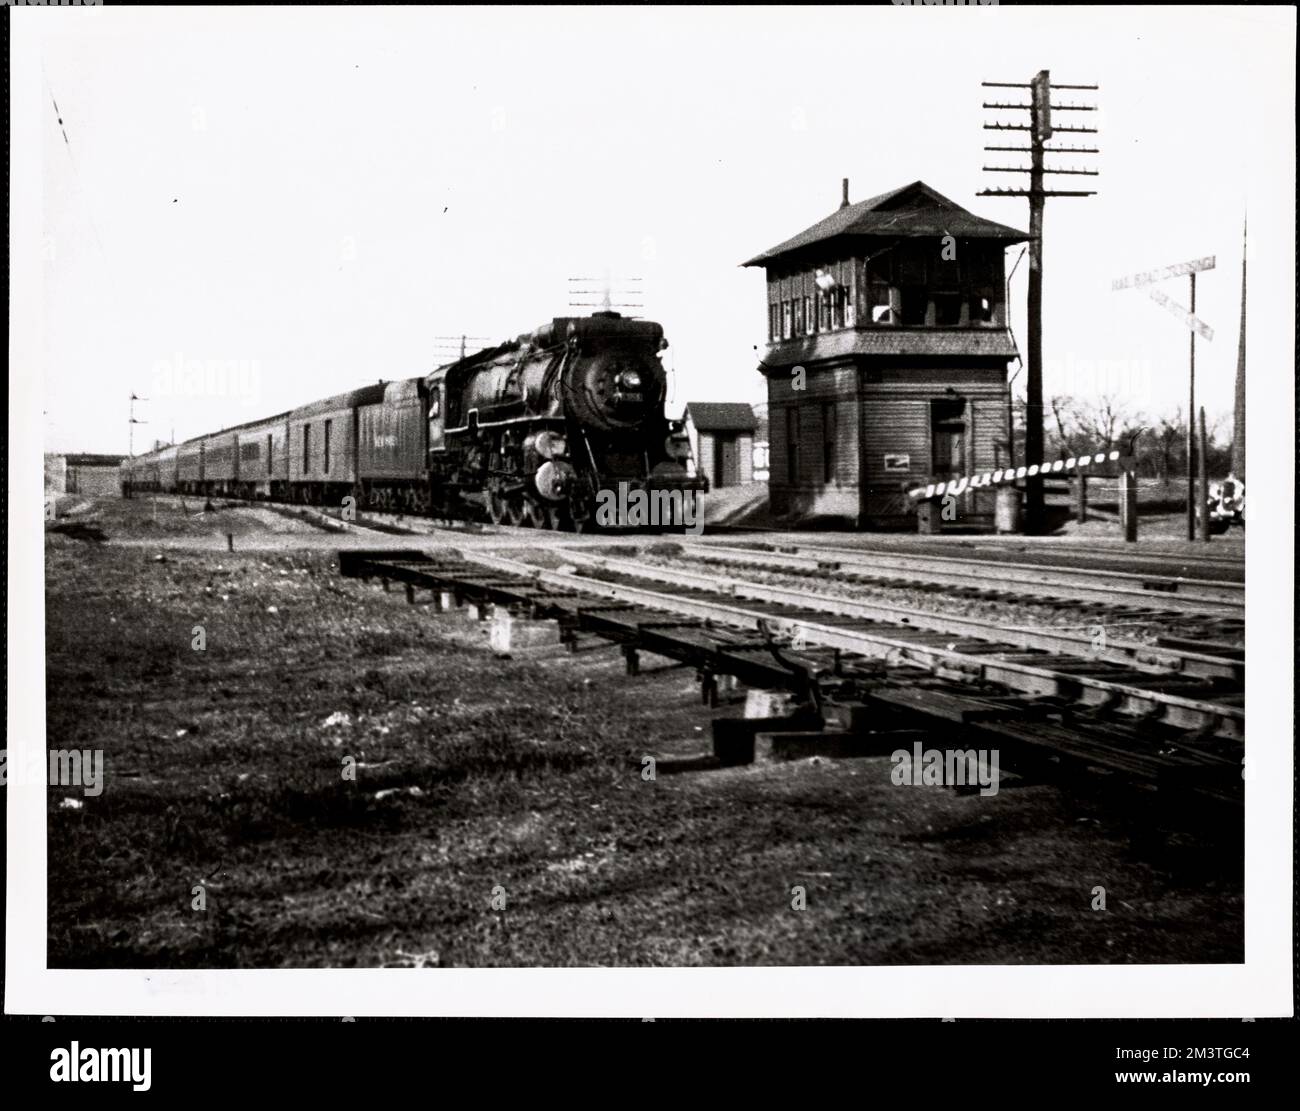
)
(1189, 703)
(1130, 593)
(1071, 715)
(1178, 658)
(1047, 551)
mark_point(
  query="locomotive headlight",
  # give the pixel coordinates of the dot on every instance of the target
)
(550, 445)
(553, 479)
(630, 380)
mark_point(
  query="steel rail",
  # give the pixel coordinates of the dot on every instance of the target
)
(1144, 657)
(1031, 675)
(988, 547)
(1166, 593)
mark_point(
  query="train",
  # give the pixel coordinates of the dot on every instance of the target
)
(536, 431)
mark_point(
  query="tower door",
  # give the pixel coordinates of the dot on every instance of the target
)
(948, 438)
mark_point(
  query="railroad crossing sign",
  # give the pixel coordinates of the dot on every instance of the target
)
(1197, 327)
(1194, 322)
(1177, 270)
(1147, 277)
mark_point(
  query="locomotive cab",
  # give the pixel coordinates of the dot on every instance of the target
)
(437, 415)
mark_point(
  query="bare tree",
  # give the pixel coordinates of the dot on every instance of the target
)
(1170, 433)
(1101, 422)
(1064, 416)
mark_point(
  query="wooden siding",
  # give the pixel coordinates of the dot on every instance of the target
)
(707, 456)
(888, 414)
(92, 480)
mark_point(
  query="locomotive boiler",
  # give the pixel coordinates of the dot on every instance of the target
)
(534, 431)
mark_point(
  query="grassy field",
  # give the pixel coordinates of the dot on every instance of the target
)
(224, 768)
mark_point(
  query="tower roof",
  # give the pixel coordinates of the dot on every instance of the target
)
(913, 210)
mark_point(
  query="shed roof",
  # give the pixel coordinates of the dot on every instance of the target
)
(721, 416)
(90, 460)
(913, 210)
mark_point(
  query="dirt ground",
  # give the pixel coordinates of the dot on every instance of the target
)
(482, 780)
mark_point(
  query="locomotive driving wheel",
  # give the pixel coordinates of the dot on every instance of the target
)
(515, 511)
(534, 514)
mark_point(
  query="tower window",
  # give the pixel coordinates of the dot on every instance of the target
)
(915, 294)
(913, 302)
(879, 300)
(947, 308)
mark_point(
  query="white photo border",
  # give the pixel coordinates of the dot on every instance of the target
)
(1261, 987)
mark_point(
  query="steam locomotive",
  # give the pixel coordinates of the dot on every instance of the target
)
(531, 432)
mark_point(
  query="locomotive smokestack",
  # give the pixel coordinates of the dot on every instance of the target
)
(845, 202)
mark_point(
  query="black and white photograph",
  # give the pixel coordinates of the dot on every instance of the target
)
(705, 512)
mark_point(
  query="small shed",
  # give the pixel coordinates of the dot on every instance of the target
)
(722, 441)
(92, 474)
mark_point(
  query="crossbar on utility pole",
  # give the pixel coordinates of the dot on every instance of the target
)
(1040, 108)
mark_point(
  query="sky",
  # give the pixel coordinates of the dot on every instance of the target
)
(293, 202)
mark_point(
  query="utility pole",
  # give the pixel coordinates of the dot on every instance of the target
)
(1203, 489)
(630, 291)
(1239, 401)
(1041, 129)
(451, 348)
(1191, 424)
